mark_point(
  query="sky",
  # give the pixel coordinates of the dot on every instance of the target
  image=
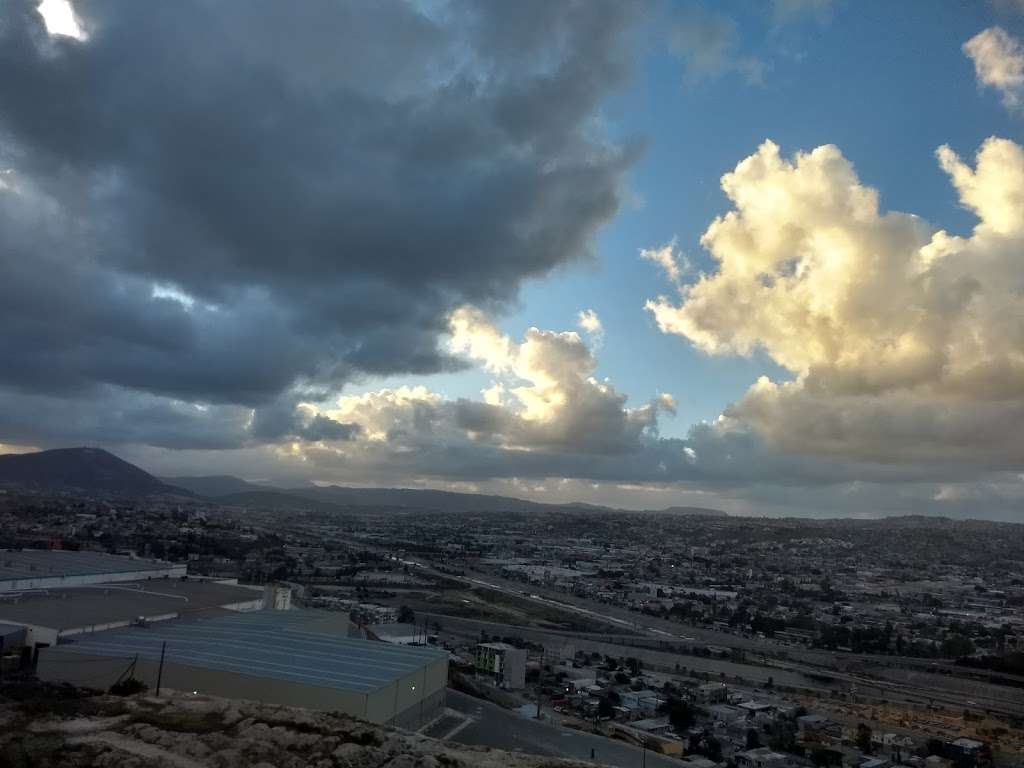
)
(758, 256)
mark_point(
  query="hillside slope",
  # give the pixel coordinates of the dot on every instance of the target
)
(63, 729)
(213, 486)
(91, 470)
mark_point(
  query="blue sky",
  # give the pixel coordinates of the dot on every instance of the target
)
(885, 82)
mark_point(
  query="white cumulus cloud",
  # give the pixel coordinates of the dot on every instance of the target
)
(905, 342)
(999, 63)
(674, 264)
(588, 320)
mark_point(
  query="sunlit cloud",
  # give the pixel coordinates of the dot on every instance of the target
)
(60, 18)
(674, 263)
(999, 63)
(898, 334)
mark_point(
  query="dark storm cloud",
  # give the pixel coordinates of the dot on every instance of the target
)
(112, 416)
(317, 183)
(284, 420)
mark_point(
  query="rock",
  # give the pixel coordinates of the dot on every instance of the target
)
(228, 758)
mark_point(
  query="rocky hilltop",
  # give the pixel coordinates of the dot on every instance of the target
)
(63, 727)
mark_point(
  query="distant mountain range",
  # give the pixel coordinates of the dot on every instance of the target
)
(213, 485)
(329, 497)
(96, 471)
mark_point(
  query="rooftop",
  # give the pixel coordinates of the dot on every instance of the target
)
(37, 563)
(75, 607)
(405, 634)
(297, 646)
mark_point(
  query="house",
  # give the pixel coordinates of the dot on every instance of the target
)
(711, 693)
(655, 725)
(581, 685)
(898, 747)
(642, 704)
(967, 753)
(760, 712)
(818, 728)
(762, 757)
(697, 761)
(726, 714)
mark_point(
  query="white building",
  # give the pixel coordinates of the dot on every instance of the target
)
(505, 663)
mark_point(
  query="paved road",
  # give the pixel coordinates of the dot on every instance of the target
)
(499, 728)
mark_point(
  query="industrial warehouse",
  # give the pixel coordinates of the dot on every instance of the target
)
(53, 615)
(49, 568)
(295, 658)
(92, 619)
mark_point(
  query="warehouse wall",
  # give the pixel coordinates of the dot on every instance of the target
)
(57, 665)
(412, 699)
(50, 581)
(60, 665)
(37, 634)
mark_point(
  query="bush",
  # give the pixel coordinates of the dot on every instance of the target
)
(128, 687)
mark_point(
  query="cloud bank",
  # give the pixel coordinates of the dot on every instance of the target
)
(905, 342)
(298, 203)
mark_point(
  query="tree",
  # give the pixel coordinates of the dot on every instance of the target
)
(753, 742)
(710, 747)
(680, 714)
(605, 708)
(782, 735)
(956, 645)
(406, 615)
(864, 738)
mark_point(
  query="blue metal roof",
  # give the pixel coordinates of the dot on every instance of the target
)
(40, 563)
(273, 644)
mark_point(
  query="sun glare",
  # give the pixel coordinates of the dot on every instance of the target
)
(59, 17)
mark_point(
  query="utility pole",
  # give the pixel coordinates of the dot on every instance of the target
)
(160, 671)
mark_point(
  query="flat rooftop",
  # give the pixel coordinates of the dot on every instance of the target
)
(39, 563)
(74, 607)
(298, 646)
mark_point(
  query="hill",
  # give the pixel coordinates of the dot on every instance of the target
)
(91, 470)
(214, 485)
(277, 499)
(701, 511)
